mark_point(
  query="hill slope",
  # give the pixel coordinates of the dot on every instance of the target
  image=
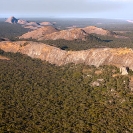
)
(99, 31)
(100, 56)
(26, 24)
(37, 34)
(70, 34)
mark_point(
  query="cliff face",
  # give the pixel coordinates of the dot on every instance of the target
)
(100, 56)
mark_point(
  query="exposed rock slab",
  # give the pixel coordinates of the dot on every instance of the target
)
(39, 33)
(70, 34)
(99, 56)
(96, 30)
(3, 58)
(103, 32)
(45, 23)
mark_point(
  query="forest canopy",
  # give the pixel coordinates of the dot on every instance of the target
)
(39, 97)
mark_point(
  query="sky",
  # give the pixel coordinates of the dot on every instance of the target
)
(110, 9)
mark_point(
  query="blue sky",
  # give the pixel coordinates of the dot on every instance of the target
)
(116, 9)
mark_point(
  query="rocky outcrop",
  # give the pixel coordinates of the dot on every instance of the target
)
(99, 56)
(124, 70)
(71, 34)
(39, 33)
(103, 32)
(12, 20)
(3, 58)
(50, 33)
(32, 24)
(23, 22)
(45, 23)
(26, 24)
(99, 31)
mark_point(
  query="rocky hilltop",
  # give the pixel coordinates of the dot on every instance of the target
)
(99, 31)
(99, 56)
(102, 32)
(69, 34)
(14, 20)
(27, 24)
(39, 33)
(50, 33)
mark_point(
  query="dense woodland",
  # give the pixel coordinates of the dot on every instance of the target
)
(38, 97)
(91, 42)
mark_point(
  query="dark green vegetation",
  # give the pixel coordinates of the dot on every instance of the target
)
(91, 42)
(11, 31)
(37, 97)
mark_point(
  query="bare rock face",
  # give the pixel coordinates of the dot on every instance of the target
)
(103, 32)
(23, 22)
(12, 20)
(99, 56)
(30, 27)
(123, 70)
(45, 23)
(50, 33)
(32, 24)
(39, 33)
(70, 34)
(3, 58)
(96, 30)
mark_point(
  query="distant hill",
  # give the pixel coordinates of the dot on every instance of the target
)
(102, 32)
(12, 20)
(45, 23)
(96, 30)
(49, 33)
(130, 21)
(39, 33)
(27, 24)
(70, 34)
